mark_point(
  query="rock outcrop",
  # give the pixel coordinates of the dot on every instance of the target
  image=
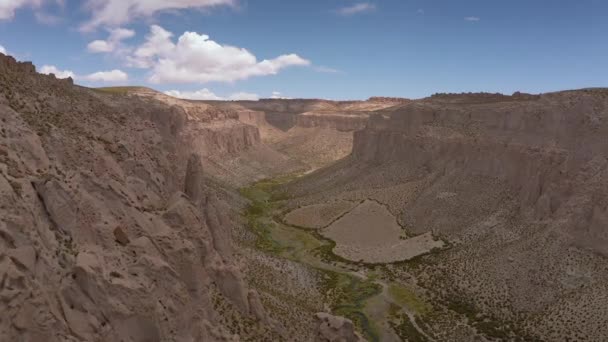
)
(348, 122)
(336, 329)
(109, 229)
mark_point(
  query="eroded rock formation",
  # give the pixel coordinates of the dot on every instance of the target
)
(109, 230)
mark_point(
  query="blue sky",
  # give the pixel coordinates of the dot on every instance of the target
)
(336, 49)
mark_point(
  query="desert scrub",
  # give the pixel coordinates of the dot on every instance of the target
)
(256, 214)
(116, 90)
(487, 325)
(347, 295)
(408, 298)
(406, 330)
(262, 198)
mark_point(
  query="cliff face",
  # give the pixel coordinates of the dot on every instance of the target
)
(109, 227)
(312, 133)
(545, 151)
(340, 122)
(518, 185)
(338, 115)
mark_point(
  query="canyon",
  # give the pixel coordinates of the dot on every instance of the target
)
(130, 215)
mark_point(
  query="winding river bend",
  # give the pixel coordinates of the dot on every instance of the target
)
(382, 310)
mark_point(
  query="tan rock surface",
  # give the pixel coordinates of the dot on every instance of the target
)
(336, 329)
(98, 241)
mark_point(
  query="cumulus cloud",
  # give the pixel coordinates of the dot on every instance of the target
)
(203, 94)
(242, 96)
(472, 18)
(107, 76)
(118, 12)
(278, 95)
(357, 8)
(51, 69)
(2, 49)
(206, 94)
(8, 7)
(111, 76)
(326, 70)
(114, 39)
(47, 18)
(195, 58)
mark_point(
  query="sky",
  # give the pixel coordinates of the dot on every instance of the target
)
(333, 49)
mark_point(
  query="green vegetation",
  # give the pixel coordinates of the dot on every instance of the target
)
(116, 90)
(408, 298)
(256, 214)
(406, 330)
(345, 293)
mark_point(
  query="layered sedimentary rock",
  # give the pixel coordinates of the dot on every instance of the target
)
(312, 132)
(348, 122)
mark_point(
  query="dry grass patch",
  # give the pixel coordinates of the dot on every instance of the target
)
(318, 215)
(370, 233)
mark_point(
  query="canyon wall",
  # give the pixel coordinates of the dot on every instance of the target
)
(111, 228)
(341, 122)
(546, 151)
(518, 185)
(311, 113)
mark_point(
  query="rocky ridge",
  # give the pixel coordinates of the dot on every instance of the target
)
(111, 228)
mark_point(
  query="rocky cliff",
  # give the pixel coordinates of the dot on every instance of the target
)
(110, 227)
(310, 113)
(518, 186)
(345, 122)
(543, 150)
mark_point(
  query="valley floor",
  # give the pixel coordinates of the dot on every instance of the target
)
(387, 301)
(382, 308)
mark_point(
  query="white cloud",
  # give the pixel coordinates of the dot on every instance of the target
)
(278, 95)
(100, 76)
(196, 58)
(472, 18)
(118, 12)
(244, 97)
(2, 49)
(97, 46)
(46, 18)
(206, 94)
(8, 7)
(51, 69)
(325, 69)
(107, 76)
(357, 8)
(116, 36)
(203, 94)
(158, 43)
